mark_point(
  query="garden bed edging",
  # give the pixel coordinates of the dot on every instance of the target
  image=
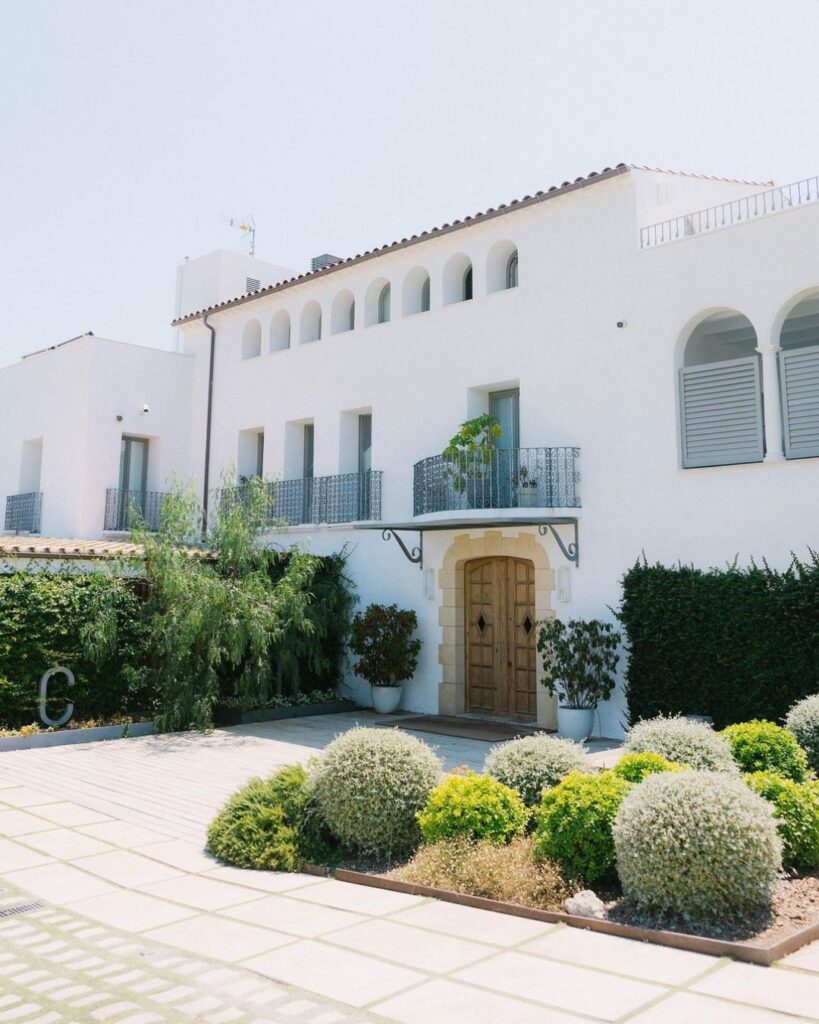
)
(63, 737)
(223, 717)
(761, 955)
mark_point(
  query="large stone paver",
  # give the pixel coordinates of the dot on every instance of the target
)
(142, 926)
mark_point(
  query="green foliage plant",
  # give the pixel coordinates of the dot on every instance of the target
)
(796, 806)
(531, 764)
(683, 741)
(579, 660)
(471, 450)
(369, 785)
(383, 637)
(574, 824)
(734, 643)
(697, 845)
(635, 767)
(803, 721)
(760, 746)
(474, 807)
(269, 824)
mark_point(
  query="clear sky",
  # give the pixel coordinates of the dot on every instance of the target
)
(128, 128)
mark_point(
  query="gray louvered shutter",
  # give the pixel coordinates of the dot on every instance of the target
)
(799, 380)
(721, 409)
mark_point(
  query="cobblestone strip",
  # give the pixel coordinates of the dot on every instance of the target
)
(59, 968)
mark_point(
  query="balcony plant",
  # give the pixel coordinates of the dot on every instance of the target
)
(579, 659)
(383, 638)
(528, 492)
(469, 458)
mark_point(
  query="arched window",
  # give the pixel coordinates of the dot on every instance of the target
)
(310, 329)
(457, 279)
(721, 394)
(280, 331)
(415, 292)
(502, 266)
(799, 379)
(252, 340)
(512, 270)
(384, 305)
(343, 313)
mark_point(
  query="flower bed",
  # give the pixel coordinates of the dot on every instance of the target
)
(30, 737)
(695, 839)
(318, 702)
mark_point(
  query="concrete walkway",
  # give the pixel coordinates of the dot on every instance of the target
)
(138, 925)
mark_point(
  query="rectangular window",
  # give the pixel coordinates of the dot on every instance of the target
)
(133, 464)
(260, 454)
(365, 442)
(505, 406)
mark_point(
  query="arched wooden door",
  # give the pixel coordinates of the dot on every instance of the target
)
(499, 646)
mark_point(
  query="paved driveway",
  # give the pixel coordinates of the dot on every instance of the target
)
(132, 922)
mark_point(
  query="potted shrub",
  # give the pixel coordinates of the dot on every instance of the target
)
(528, 492)
(383, 638)
(470, 457)
(579, 658)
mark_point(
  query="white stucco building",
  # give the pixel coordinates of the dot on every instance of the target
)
(649, 341)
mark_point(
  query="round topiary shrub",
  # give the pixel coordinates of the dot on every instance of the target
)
(369, 786)
(574, 824)
(473, 807)
(803, 721)
(265, 825)
(682, 741)
(760, 746)
(796, 807)
(635, 767)
(699, 845)
(534, 763)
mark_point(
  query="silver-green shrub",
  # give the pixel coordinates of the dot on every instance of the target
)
(535, 763)
(368, 787)
(698, 845)
(683, 741)
(803, 721)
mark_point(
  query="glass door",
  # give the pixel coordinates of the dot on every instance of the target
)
(307, 473)
(133, 475)
(505, 407)
(365, 464)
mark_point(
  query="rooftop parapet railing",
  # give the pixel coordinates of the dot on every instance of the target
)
(499, 479)
(23, 512)
(737, 211)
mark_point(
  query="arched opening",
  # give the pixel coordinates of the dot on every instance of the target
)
(377, 302)
(799, 379)
(310, 328)
(343, 313)
(415, 292)
(280, 331)
(721, 393)
(502, 266)
(252, 340)
(457, 279)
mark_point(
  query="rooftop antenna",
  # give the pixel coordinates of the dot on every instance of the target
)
(247, 225)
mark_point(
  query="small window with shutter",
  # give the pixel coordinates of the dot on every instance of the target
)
(799, 380)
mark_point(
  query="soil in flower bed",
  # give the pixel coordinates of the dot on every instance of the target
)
(795, 905)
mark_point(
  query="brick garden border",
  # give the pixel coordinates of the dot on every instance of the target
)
(763, 955)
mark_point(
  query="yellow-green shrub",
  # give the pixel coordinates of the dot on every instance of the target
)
(473, 807)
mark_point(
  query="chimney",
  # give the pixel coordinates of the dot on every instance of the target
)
(325, 260)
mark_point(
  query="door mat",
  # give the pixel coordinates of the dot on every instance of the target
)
(465, 728)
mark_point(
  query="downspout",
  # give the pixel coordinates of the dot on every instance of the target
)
(206, 475)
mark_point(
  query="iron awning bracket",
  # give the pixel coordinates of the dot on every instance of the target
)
(415, 554)
(572, 551)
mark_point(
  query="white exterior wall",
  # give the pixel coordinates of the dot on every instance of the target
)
(583, 381)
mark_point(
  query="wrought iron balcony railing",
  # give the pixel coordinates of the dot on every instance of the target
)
(502, 478)
(125, 510)
(23, 512)
(322, 499)
(737, 211)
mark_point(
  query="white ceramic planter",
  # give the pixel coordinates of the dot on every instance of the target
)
(575, 723)
(386, 698)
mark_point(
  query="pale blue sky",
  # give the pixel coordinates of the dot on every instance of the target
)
(129, 127)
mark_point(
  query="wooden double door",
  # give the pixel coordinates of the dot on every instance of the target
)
(500, 642)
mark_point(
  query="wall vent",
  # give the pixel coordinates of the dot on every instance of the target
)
(252, 284)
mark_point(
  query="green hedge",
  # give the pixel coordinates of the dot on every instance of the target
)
(63, 619)
(735, 644)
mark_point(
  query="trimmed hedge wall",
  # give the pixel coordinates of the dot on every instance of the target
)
(735, 644)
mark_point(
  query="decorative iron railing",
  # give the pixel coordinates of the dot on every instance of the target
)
(23, 512)
(321, 499)
(714, 218)
(126, 510)
(501, 478)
